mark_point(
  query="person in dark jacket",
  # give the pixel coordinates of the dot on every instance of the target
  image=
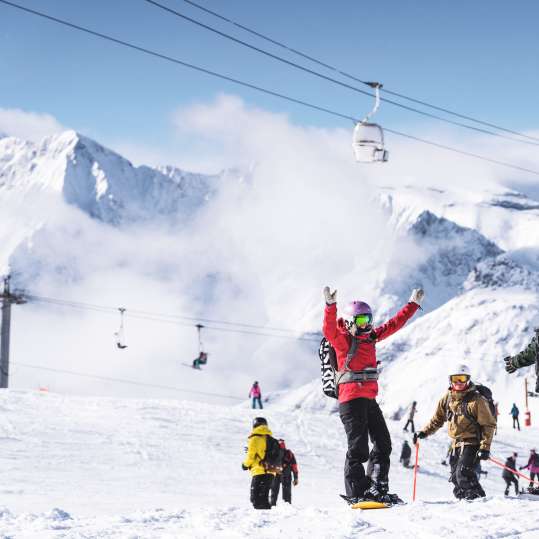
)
(406, 453)
(256, 451)
(528, 356)
(287, 477)
(354, 341)
(508, 476)
(514, 414)
(411, 418)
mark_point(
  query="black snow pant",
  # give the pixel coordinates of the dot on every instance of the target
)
(508, 481)
(259, 401)
(463, 477)
(260, 487)
(409, 422)
(515, 419)
(286, 480)
(362, 417)
(533, 476)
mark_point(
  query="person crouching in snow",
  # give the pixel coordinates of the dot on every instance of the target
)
(354, 341)
(471, 427)
(256, 451)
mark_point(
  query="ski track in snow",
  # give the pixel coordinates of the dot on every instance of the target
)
(76, 467)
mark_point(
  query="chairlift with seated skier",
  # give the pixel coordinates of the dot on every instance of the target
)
(202, 358)
(120, 334)
(368, 138)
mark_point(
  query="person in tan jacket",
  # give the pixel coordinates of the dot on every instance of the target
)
(471, 427)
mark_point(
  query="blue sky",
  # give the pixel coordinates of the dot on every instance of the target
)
(480, 58)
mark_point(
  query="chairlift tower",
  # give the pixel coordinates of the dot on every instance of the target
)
(7, 298)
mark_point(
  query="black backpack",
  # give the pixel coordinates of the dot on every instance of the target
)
(486, 393)
(273, 459)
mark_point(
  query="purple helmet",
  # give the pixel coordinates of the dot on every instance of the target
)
(355, 308)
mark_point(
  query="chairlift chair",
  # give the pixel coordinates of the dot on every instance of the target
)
(368, 138)
(120, 334)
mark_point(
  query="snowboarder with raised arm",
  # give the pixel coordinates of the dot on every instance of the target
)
(290, 470)
(508, 476)
(254, 462)
(256, 394)
(354, 341)
(527, 357)
(471, 425)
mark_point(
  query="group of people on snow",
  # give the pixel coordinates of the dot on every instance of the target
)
(272, 466)
(467, 407)
(510, 476)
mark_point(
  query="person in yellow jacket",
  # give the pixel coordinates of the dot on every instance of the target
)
(471, 426)
(256, 451)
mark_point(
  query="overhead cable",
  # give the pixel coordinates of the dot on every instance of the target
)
(352, 77)
(331, 79)
(258, 88)
(125, 381)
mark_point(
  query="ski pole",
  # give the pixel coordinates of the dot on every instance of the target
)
(415, 469)
(502, 465)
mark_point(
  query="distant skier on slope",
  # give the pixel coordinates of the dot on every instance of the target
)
(514, 413)
(532, 466)
(471, 425)
(256, 394)
(290, 470)
(508, 476)
(354, 341)
(254, 462)
(527, 357)
(411, 415)
(406, 453)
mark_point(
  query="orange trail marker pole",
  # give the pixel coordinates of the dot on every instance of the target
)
(415, 469)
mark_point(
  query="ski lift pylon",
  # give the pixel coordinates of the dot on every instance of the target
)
(368, 138)
(120, 334)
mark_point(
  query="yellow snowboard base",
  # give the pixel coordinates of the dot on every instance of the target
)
(370, 505)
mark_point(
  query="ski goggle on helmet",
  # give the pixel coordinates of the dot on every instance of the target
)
(359, 313)
(460, 375)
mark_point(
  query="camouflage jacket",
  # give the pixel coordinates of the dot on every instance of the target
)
(529, 356)
(461, 430)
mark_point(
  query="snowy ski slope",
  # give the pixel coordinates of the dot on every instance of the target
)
(75, 467)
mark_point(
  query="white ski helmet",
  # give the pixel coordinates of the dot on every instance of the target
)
(460, 369)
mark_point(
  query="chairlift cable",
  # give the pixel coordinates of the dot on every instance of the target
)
(352, 77)
(331, 79)
(254, 87)
(125, 381)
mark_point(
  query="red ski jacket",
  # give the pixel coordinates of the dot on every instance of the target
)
(340, 338)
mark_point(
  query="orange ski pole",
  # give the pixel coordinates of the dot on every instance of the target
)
(415, 469)
(502, 465)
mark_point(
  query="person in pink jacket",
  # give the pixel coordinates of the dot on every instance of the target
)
(532, 466)
(256, 395)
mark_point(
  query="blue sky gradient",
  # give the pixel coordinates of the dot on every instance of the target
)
(480, 58)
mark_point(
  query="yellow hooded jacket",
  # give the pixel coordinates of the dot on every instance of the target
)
(256, 450)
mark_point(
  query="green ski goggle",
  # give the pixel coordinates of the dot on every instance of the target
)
(362, 319)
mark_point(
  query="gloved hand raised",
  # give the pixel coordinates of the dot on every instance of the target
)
(509, 367)
(483, 454)
(417, 296)
(418, 435)
(330, 297)
(243, 467)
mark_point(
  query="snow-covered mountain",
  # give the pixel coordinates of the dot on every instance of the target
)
(100, 182)
(78, 213)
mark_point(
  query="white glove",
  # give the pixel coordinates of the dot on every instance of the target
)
(331, 297)
(417, 296)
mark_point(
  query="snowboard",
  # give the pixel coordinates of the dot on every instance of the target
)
(365, 505)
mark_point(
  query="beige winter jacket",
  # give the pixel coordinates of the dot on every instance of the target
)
(461, 430)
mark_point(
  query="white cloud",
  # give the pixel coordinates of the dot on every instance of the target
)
(25, 125)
